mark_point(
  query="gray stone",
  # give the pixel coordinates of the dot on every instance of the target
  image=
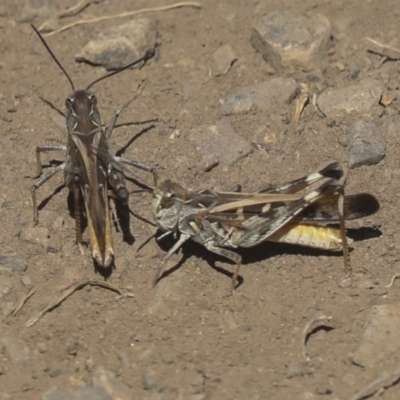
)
(222, 60)
(85, 393)
(15, 349)
(356, 98)
(7, 307)
(93, 393)
(6, 285)
(297, 369)
(262, 96)
(35, 235)
(149, 379)
(381, 337)
(120, 45)
(34, 9)
(379, 291)
(42, 348)
(292, 41)
(219, 142)
(47, 217)
(107, 380)
(26, 280)
(57, 224)
(366, 144)
(55, 394)
(13, 262)
(58, 369)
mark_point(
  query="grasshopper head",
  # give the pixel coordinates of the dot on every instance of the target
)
(168, 199)
(82, 112)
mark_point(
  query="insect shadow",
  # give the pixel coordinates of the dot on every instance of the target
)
(192, 249)
(266, 250)
(262, 252)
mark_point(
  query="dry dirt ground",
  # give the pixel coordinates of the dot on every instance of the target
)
(189, 339)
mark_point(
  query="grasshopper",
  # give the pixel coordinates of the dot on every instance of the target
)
(223, 220)
(90, 167)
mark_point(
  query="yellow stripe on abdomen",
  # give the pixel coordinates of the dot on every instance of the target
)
(318, 237)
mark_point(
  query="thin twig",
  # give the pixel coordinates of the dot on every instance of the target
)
(21, 303)
(68, 292)
(393, 279)
(77, 8)
(387, 380)
(125, 14)
(69, 12)
(384, 50)
(305, 332)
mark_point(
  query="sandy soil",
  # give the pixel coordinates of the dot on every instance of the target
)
(190, 339)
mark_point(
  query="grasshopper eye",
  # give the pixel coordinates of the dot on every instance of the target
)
(69, 101)
(168, 199)
(93, 99)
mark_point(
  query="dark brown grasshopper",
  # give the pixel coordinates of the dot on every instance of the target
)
(222, 220)
(90, 167)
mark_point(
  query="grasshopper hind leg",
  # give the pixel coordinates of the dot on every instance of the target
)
(78, 214)
(236, 258)
(345, 247)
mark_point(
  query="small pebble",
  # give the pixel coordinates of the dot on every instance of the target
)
(379, 291)
(292, 41)
(223, 59)
(346, 283)
(366, 144)
(26, 281)
(35, 235)
(120, 45)
(350, 99)
(41, 347)
(13, 263)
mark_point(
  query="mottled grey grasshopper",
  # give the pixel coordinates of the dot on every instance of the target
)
(90, 167)
(222, 220)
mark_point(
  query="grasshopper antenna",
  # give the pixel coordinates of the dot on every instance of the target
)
(147, 56)
(54, 57)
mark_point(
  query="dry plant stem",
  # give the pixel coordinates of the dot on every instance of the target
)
(125, 14)
(393, 279)
(76, 9)
(316, 107)
(386, 51)
(379, 385)
(23, 300)
(305, 332)
(301, 102)
(21, 303)
(68, 292)
(383, 60)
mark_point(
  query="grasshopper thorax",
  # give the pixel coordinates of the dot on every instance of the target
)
(167, 203)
